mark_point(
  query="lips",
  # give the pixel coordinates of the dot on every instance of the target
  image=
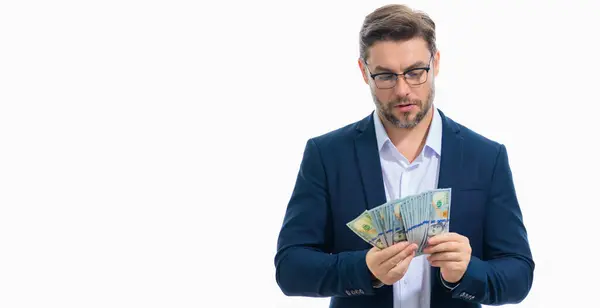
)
(405, 107)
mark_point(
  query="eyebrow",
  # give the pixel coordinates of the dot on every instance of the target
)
(380, 68)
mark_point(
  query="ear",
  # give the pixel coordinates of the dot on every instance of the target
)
(436, 63)
(363, 70)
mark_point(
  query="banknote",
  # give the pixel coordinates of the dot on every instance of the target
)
(439, 208)
(378, 222)
(399, 231)
(413, 218)
(364, 227)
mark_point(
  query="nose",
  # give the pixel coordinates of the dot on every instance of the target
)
(402, 88)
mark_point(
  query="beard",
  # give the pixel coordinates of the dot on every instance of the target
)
(404, 120)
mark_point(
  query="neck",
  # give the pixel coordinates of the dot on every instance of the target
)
(409, 141)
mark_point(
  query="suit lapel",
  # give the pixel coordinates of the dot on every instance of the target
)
(369, 163)
(452, 153)
(449, 173)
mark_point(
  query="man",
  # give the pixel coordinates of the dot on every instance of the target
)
(406, 147)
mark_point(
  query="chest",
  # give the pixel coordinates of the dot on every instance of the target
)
(401, 178)
(350, 194)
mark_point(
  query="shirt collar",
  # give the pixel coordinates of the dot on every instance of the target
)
(434, 137)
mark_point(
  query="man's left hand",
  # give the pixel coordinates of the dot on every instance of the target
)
(451, 252)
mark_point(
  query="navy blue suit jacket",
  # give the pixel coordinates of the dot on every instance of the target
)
(340, 176)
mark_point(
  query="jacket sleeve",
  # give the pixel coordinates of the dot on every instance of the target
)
(303, 265)
(505, 273)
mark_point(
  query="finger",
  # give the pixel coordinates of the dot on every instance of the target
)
(443, 247)
(450, 265)
(445, 237)
(388, 252)
(398, 271)
(445, 256)
(394, 260)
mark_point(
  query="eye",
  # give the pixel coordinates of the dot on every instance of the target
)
(386, 77)
(414, 73)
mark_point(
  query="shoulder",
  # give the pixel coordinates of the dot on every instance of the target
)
(479, 156)
(341, 137)
(473, 140)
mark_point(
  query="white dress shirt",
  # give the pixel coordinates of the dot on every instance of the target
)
(402, 179)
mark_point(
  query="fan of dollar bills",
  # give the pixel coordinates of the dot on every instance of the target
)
(414, 219)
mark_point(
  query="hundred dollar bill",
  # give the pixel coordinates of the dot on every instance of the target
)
(408, 209)
(399, 230)
(364, 227)
(378, 221)
(439, 210)
(391, 227)
(427, 218)
(388, 231)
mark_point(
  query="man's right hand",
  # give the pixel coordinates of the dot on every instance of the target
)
(390, 264)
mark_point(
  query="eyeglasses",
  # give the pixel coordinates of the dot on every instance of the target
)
(414, 77)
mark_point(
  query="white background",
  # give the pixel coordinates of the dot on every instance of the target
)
(148, 148)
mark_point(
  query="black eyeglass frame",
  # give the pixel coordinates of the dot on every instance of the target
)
(396, 75)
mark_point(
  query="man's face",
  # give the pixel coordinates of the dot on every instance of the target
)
(408, 100)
